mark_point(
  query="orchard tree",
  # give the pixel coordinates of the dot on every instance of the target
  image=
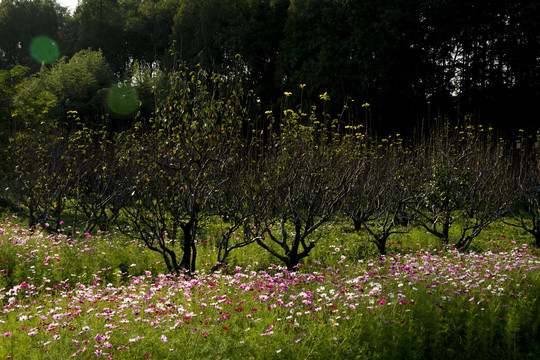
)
(460, 190)
(377, 202)
(179, 165)
(242, 206)
(525, 180)
(40, 183)
(308, 178)
(99, 182)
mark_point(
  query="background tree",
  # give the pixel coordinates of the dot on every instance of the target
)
(23, 20)
(412, 61)
(100, 26)
(365, 50)
(212, 33)
(148, 27)
(32, 104)
(9, 80)
(79, 85)
(199, 31)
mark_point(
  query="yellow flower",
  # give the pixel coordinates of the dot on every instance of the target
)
(365, 105)
(324, 96)
(286, 93)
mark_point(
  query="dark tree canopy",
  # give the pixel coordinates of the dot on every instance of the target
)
(23, 20)
(412, 61)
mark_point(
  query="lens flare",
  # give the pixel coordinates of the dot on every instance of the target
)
(44, 49)
(122, 99)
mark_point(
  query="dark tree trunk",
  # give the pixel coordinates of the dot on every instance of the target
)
(188, 246)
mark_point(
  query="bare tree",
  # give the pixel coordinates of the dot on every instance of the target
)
(308, 177)
(41, 179)
(459, 184)
(242, 207)
(182, 162)
(525, 180)
(378, 198)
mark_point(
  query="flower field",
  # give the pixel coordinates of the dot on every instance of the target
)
(107, 297)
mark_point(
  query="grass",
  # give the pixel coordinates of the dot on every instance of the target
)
(108, 296)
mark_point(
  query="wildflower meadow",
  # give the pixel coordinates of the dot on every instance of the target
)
(271, 179)
(109, 296)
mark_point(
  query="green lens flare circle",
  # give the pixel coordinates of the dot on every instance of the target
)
(122, 99)
(44, 49)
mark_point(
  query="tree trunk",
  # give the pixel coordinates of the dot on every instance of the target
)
(357, 225)
(188, 246)
(292, 262)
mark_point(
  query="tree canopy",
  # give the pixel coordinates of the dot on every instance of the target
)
(412, 61)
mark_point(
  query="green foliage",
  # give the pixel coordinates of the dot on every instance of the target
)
(9, 80)
(76, 84)
(148, 26)
(20, 22)
(32, 103)
(100, 25)
(79, 82)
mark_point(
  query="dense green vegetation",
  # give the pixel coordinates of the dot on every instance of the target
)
(412, 60)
